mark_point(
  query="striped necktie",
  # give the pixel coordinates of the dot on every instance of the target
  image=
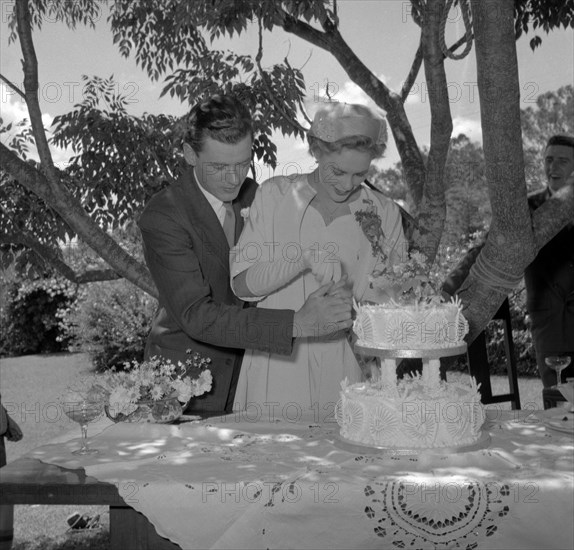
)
(229, 223)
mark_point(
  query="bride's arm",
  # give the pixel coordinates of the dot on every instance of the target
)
(263, 278)
(269, 270)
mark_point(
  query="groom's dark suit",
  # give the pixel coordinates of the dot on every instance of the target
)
(187, 254)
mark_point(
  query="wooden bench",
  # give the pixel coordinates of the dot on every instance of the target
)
(30, 481)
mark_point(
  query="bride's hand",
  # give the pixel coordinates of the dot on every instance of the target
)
(342, 289)
(323, 264)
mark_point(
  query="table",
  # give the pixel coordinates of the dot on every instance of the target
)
(251, 481)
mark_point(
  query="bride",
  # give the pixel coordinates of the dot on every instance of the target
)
(301, 233)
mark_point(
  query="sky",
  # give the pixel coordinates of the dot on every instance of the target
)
(381, 32)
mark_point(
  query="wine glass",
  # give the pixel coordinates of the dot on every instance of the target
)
(558, 363)
(83, 407)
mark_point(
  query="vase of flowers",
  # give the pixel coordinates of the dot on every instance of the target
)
(156, 390)
(162, 411)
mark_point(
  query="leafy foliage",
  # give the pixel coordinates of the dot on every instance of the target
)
(23, 214)
(194, 70)
(31, 316)
(121, 159)
(542, 14)
(468, 207)
(524, 353)
(70, 12)
(111, 321)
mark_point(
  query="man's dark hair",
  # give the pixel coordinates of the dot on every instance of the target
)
(222, 118)
(561, 139)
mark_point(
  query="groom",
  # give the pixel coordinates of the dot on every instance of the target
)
(187, 231)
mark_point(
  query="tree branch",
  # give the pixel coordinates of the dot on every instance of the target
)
(13, 86)
(71, 211)
(52, 257)
(270, 94)
(47, 185)
(30, 67)
(432, 213)
(416, 66)
(413, 73)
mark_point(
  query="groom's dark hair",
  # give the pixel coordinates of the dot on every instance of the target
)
(221, 117)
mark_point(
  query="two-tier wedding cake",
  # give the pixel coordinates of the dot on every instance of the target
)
(416, 412)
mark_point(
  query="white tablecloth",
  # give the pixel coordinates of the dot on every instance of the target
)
(233, 482)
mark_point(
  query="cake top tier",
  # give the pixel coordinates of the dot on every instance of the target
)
(421, 327)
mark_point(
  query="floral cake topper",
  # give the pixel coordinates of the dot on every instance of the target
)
(409, 280)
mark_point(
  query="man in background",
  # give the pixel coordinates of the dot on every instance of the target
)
(550, 277)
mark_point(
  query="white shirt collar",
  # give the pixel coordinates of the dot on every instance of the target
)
(215, 203)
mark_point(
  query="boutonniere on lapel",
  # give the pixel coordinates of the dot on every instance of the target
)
(244, 212)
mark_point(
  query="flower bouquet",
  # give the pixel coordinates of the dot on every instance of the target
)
(156, 390)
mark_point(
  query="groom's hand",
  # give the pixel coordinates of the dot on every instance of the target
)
(323, 313)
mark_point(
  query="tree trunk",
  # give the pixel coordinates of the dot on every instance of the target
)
(432, 211)
(510, 246)
(71, 211)
(47, 184)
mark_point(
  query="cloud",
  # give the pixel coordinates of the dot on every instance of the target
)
(351, 93)
(346, 92)
(413, 98)
(12, 107)
(13, 110)
(470, 128)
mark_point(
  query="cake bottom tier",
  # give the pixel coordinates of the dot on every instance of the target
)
(410, 417)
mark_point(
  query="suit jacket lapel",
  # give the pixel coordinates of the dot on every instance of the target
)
(203, 219)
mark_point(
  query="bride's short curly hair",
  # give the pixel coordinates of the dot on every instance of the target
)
(221, 117)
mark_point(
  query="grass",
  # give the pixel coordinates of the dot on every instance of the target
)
(30, 387)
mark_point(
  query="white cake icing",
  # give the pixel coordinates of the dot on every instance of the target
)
(410, 414)
(393, 326)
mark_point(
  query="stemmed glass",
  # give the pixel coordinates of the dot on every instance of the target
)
(558, 363)
(82, 406)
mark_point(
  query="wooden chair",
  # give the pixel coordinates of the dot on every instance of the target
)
(479, 366)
